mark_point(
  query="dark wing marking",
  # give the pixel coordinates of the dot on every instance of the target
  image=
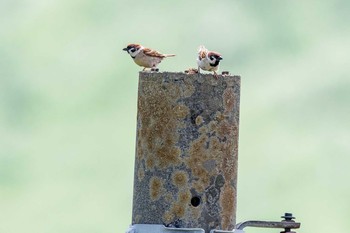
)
(152, 53)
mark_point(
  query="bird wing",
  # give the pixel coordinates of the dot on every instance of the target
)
(152, 53)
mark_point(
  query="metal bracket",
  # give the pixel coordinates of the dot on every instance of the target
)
(267, 224)
(156, 228)
(287, 224)
(223, 231)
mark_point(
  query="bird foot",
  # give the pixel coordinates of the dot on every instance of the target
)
(216, 76)
(191, 71)
(225, 73)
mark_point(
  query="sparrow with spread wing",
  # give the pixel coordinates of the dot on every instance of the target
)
(208, 60)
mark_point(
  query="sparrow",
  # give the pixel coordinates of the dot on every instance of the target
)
(208, 60)
(145, 57)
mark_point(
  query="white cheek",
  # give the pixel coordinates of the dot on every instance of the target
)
(133, 54)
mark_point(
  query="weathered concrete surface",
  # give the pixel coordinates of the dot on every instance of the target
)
(186, 152)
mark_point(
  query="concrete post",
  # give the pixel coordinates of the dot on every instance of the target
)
(186, 152)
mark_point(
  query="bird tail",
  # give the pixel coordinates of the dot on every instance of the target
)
(202, 52)
(202, 49)
(169, 55)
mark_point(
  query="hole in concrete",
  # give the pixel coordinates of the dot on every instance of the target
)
(195, 201)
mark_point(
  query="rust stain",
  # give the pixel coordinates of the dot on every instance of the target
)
(181, 111)
(229, 99)
(180, 178)
(198, 186)
(155, 188)
(173, 90)
(169, 197)
(203, 130)
(215, 144)
(181, 125)
(178, 210)
(169, 141)
(219, 116)
(195, 212)
(212, 126)
(230, 82)
(140, 151)
(228, 205)
(137, 218)
(158, 124)
(168, 217)
(199, 120)
(225, 129)
(229, 164)
(198, 155)
(162, 117)
(188, 89)
(167, 156)
(141, 173)
(150, 163)
(184, 197)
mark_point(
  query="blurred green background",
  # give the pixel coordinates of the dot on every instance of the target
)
(68, 96)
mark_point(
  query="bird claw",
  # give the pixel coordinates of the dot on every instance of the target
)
(191, 71)
(216, 76)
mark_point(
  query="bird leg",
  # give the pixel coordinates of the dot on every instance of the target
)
(216, 75)
(154, 68)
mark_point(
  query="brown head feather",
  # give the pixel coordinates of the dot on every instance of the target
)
(133, 46)
(214, 53)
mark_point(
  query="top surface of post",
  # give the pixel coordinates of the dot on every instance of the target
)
(187, 149)
(190, 77)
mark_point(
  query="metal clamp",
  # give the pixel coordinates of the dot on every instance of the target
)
(156, 228)
(287, 224)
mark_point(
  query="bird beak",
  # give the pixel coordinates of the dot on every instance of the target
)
(125, 49)
(220, 58)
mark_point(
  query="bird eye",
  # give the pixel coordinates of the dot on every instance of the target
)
(211, 57)
(132, 50)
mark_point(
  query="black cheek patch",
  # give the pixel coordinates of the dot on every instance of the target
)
(216, 63)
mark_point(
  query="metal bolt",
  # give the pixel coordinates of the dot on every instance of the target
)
(288, 216)
(225, 72)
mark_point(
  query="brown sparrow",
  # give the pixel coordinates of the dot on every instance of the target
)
(208, 60)
(145, 57)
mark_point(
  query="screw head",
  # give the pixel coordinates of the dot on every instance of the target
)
(288, 216)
